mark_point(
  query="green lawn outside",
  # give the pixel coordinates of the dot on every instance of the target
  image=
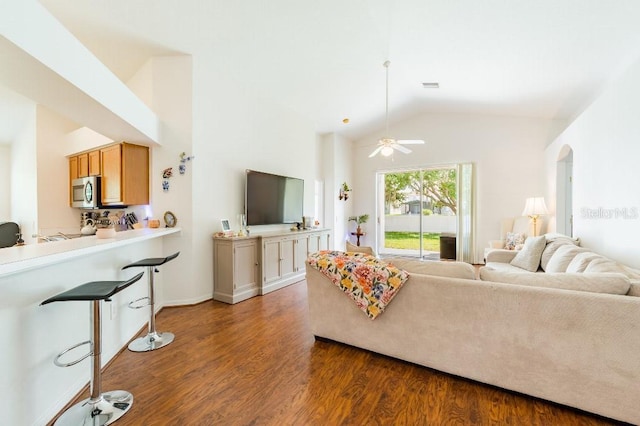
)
(411, 241)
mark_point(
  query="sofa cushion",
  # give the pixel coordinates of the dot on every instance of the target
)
(507, 267)
(529, 257)
(430, 267)
(580, 262)
(630, 272)
(634, 289)
(604, 265)
(554, 241)
(562, 257)
(606, 282)
(500, 256)
(514, 240)
(359, 249)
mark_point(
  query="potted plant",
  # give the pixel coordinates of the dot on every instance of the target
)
(363, 218)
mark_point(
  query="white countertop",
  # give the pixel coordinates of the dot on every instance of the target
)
(17, 259)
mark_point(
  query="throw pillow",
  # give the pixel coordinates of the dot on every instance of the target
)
(562, 257)
(514, 241)
(554, 241)
(529, 257)
(604, 265)
(581, 261)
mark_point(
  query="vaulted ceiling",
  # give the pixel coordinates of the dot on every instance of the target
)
(537, 58)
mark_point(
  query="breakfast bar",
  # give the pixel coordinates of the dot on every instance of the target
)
(34, 390)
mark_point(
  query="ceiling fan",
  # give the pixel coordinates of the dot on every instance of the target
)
(387, 145)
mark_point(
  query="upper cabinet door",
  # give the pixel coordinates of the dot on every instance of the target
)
(111, 174)
(83, 165)
(135, 174)
(73, 174)
(94, 163)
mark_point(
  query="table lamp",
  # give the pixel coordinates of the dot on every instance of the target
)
(535, 207)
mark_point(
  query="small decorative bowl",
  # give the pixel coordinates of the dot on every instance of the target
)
(106, 233)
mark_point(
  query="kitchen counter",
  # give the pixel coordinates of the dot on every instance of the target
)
(22, 258)
(33, 389)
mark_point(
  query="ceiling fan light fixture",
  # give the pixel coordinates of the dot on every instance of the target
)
(386, 151)
(387, 144)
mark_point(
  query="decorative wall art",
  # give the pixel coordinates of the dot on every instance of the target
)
(344, 192)
(182, 168)
(166, 174)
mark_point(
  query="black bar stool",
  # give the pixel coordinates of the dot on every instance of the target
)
(153, 339)
(100, 408)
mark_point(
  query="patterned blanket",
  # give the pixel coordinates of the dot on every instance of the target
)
(369, 281)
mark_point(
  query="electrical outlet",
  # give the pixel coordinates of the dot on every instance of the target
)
(113, 310)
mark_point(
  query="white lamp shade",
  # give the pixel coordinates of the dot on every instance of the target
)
(535, 206)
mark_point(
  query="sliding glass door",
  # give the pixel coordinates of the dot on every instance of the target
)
(417, 212)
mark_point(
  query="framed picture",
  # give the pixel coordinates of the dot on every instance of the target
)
(225, 225)
(170, 219)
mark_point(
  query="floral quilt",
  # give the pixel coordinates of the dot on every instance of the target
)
(369, 281)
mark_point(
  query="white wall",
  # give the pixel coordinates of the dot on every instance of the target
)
(54, 211)
(605, 147)
(5, 182)
(83, 139)
(165, 85)
(235, 129)
(24, 186)
(337, 154)
(507, 151)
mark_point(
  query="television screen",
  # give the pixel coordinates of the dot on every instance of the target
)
(272, 199)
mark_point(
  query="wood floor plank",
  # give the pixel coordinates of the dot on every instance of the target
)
(257, 363)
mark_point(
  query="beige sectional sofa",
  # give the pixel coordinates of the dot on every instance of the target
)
(580, 348)
(561, 263)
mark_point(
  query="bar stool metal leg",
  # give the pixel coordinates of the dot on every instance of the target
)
(98, 409)
(154, 339)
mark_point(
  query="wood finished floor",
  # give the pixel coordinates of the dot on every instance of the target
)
(256, 363)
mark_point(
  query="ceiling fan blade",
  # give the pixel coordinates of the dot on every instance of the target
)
(410, 142)
(401, 148)
(376, 151)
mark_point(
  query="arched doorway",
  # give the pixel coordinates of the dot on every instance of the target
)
(564, 191)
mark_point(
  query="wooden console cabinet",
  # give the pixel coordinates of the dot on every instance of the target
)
(278, 259)
(237, 269)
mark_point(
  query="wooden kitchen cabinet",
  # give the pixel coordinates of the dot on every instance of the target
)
(73, 174)
(83, 165)
(125, 174)
(94, 163)
(124, 171)
(73, 168)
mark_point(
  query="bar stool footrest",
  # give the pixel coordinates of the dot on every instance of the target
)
(133, 305)
(57, 362)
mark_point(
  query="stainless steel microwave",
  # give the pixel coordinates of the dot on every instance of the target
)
(85, 192)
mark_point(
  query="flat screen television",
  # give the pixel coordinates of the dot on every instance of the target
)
(273, 199)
